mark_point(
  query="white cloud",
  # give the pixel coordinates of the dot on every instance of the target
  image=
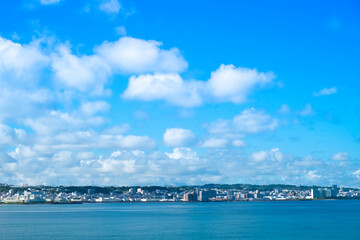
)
(49, 2)
(65, 159)
(177, 137)
(357, 174)
(110, 6)
(137, 142)
(118, 129)
(239, 143)
(90, 73)
(20, 63)
(259, 156)
(61, 121)
(27, 63)
(306, 111)
(125, 56)
(85, 140)
(181, 166)
(10, 136)
(325, 92)
(248, 121)
(340, 156)
(132, 55)
(91, 108)
(273, 155)
(27, 105)
(312, 175)
(226, 84)
(169, 87)
(21, 70)
(229, 83)
(252, 121)
(214, 143)
(182, 153)
(82, 73)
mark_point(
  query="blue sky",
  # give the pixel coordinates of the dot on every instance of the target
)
(179, 92)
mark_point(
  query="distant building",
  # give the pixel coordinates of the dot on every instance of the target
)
(314, 193)
(324, 193)
(190, 197)
(334, 192)
(204, 196)
(230, 196)
(132, 190)
(91, 191)
(27, 197)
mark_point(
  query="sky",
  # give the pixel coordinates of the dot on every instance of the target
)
(121, 92)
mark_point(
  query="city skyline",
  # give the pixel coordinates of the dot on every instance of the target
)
(127, 92)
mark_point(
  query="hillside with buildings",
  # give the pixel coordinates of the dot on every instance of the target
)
(205, 193)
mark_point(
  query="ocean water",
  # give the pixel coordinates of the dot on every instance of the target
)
(327, 219)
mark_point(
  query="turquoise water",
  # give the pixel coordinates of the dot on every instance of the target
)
(234, 220)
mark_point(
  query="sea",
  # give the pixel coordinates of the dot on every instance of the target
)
(322, 219)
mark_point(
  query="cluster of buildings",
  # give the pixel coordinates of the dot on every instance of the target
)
(187, 194)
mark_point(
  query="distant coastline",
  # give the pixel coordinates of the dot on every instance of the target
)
(193, 202)
(203, 193)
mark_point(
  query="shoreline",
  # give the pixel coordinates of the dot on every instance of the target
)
(132, 202)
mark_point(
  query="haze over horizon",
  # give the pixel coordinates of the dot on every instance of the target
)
(126, 92)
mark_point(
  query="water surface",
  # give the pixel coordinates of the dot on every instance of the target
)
(332, 219)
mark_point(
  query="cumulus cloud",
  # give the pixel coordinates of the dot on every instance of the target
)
(225, 84)
(132, 55)
(357, 174)
(159, 70)
(75, 131)
(312, 175)
(175, 137)
(239, 143)
(92, 140)
(91, 108)
(60, 145)
(182, 153)
(109, 6)
(28, 105)
(21, 70)
(229, 83)
(270, 155)
(214, 143)
(182, 165)
(340, 156)
(82, 73)
(248, 121)
(61, 121)
(10, 136)
(252, 121)
(118, 129)
(20, 63)
(28, 63)
(325, 92)
(125, 56)
(137, 142)
(168, 87)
